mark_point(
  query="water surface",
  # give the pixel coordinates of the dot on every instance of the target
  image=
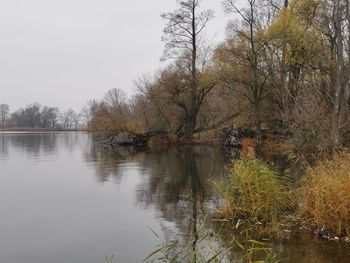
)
(64, 198)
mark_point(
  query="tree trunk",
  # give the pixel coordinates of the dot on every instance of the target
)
(338, 96)
(344, 109)
(191, 119)
(285, 95)
(190, 124)
(258, 124)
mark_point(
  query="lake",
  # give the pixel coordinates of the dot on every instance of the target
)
(64, 198)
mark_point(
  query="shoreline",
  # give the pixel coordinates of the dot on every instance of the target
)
(38, 130)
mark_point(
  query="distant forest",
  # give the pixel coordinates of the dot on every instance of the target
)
(37, 116)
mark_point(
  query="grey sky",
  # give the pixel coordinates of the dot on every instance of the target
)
(65, 52)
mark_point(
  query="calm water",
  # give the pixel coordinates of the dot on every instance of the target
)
(64, 199)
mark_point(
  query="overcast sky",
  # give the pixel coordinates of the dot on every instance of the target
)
(66, 52)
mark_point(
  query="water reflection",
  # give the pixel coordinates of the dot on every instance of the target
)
(4, 147)
(112, 163)
(177, 176)
(37, 145)
(56, 212)
(175, 180)
(179, 187)
(303, 246)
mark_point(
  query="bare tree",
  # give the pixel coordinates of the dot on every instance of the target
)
(29, 117)
(53, 115)
(341, 88)
(184, 42)
(49, 117)
(115, 98)
(346, 102)
(75, 120)
(252, 56)
(4, 113)
(68, 119)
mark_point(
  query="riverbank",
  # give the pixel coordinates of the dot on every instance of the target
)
(259, 210)
(305, 191)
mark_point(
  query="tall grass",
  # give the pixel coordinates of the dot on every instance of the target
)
(256, 192)
(325, 195)
(199, 247)
(207, 247)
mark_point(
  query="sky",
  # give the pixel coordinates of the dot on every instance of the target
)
(65, 52)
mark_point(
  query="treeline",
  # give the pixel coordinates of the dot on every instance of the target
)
(37, 116)
(284, 66)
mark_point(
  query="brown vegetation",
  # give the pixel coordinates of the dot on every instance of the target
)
(326, 195)
(249, 147)
(284, 64)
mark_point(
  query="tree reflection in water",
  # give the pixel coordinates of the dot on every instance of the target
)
(4, 147)
(174, 180)
(179, 186)
(36, 145)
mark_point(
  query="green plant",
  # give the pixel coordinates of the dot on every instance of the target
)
(256, 192)
(109, 259)
(255, 251)
(206, 247)
(200, 247)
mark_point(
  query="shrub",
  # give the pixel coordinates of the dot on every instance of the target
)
(310, 124)
(326, 195)
(254, 190)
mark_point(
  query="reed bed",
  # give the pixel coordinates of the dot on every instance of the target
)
(256, 192)
(325, 195)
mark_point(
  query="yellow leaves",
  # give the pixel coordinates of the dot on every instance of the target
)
(231, 61)
(307, 10)
(109, 119)
(133, 127)
(208, 79)
(286, 26)
(296, 30)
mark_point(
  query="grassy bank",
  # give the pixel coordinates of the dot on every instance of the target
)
(255, 192)
(325, 196)
(258, 204)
